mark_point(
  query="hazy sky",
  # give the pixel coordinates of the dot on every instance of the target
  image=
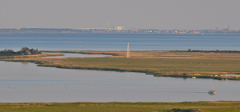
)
(157, 14)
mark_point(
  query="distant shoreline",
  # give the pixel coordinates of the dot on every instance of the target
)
(114, 30)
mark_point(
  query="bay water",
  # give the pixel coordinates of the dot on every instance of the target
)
(118, 41)
(27, 82)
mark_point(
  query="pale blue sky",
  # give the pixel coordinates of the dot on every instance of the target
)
(157, 14)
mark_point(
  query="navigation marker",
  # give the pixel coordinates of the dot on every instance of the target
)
(128, 53)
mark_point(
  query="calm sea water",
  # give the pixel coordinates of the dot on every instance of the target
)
(112, 41)
(26, 82)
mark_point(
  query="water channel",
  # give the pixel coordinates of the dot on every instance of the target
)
(69, 55)
(27, 82)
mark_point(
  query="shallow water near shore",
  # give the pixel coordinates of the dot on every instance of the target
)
(27, 82)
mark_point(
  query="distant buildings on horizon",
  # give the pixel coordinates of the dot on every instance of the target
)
(117, 29)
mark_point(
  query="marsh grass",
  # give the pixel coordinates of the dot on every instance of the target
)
(29, 56)
(219, 106)
(158, 63)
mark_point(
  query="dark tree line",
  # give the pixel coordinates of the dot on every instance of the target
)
(23, 51)
(208, 51)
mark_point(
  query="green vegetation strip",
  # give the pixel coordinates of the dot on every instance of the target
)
(219, 106)
(155, 66)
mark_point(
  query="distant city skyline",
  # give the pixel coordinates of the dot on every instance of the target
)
(139, 14)
(121, 28)
(117, 29)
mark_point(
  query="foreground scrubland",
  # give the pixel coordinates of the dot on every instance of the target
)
(220, 106)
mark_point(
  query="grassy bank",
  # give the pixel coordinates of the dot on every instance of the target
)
(158, 63)
(220, 106)
(29, 56)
